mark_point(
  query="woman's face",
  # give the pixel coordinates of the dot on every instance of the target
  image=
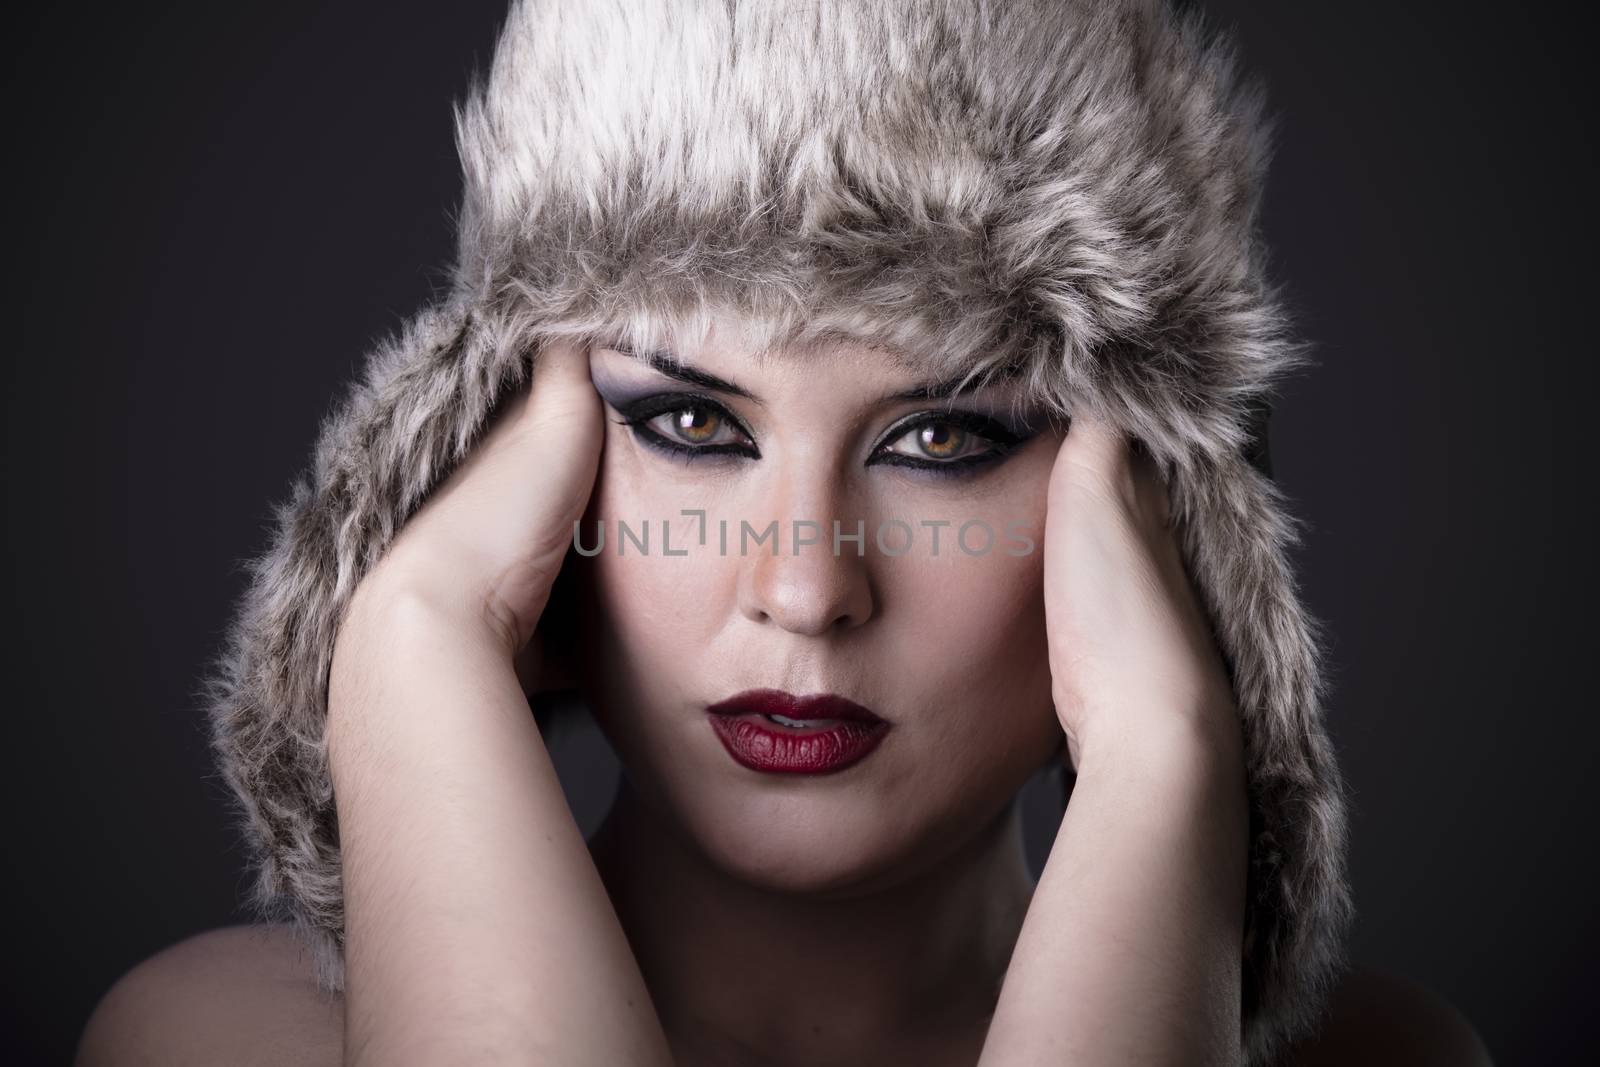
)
(947, 646)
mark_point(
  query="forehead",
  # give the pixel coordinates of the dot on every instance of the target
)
(842, 378)
(818, 362)
(828, 362)
(733, 340)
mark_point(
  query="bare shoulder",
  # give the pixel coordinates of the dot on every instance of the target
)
(240, 995)
(1378, 1018)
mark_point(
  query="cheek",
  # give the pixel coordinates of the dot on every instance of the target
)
(974, 629)
(641, 612)
(649, 612)
(968, 630)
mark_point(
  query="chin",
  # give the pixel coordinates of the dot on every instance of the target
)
(795, 840)
(792, 837)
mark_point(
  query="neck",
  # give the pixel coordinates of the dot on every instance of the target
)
(744, 973)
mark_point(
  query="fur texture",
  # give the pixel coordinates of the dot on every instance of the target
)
(1065, 189)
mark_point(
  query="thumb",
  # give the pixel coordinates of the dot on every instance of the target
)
(1105, 461)
(1093, 457)
(496, 532)
(560, 386)
(545, 472)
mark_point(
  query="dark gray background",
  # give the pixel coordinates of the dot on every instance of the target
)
(222, 206)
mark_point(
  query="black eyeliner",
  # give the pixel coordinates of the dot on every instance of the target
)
(637, 413)
(985, 426)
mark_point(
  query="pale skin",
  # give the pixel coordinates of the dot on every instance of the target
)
(884, 914)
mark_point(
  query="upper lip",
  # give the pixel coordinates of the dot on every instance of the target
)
(778, 702)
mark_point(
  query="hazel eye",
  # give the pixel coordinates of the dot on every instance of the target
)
(936, 439)
(686, 427)
(694, 424)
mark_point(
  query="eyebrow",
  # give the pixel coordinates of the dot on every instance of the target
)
(664, 363)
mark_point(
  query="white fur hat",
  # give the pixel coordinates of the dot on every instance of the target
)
(1066, 189)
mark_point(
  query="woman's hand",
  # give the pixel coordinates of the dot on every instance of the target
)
(487, 545)
(1131, 948)
(476, 925)
(1130, 650)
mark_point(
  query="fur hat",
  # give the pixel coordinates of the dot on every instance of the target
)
(1063, 189)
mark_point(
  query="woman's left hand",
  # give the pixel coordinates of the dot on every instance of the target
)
(1131, 652)
(1132, 948)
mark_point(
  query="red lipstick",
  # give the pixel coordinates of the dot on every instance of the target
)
(823, 733)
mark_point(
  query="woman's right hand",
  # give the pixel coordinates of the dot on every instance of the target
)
(476, 925)
(487, 545)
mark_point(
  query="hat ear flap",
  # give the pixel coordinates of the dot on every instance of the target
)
(424, 397)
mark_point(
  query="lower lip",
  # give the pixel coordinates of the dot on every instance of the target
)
(761, 745)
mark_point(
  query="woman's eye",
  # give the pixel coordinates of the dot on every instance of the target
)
(686, 427)
(947, 443)
(689, 428)
(937, 440)
(694, 425)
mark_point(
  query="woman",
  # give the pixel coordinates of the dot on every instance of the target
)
(908, 268)
(890, 849)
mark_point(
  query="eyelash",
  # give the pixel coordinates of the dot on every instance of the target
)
(1003, 441)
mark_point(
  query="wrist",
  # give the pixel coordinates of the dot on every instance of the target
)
(1212, 743)
(1180, 781)
(395, 606)
(390, 628)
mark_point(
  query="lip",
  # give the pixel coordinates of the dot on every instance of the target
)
(777, 702)
(851, 734)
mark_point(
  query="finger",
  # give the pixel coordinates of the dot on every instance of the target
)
(561, 386)
(1096, 437)
(557, 405)
(1095, 456)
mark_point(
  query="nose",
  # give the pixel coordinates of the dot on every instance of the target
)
(818, 590)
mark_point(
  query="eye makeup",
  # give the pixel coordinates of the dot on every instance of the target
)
(642, 414)
(969, 426)
(944, 442)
